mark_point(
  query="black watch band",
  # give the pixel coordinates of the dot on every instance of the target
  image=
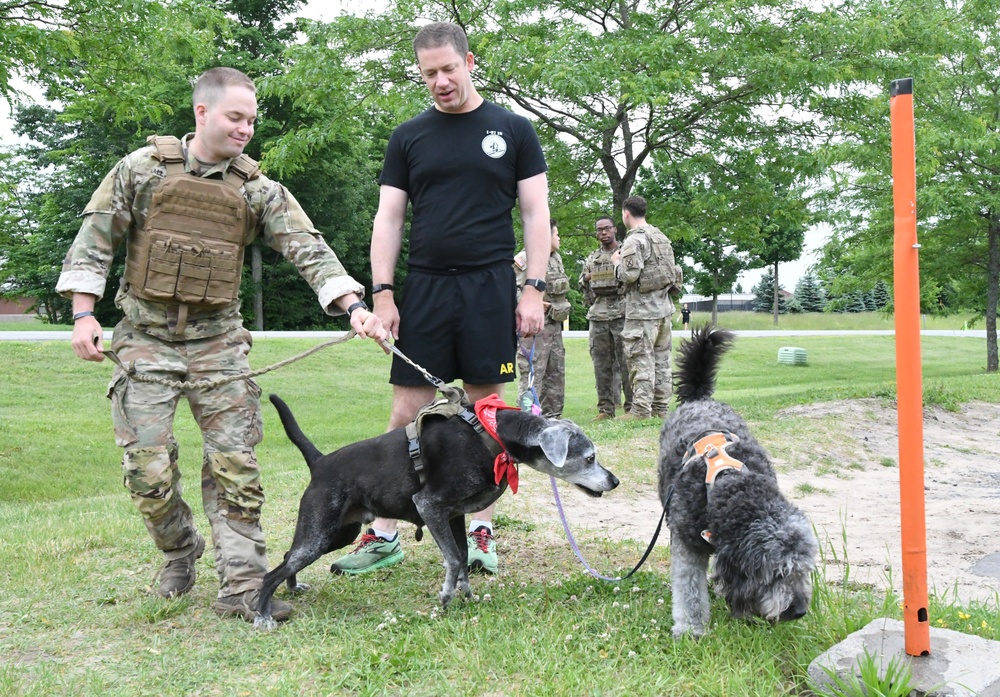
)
(379, 287)
(81, 315)
(537, 283)
(359, 305)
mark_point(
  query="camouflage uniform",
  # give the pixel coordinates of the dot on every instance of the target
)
(646, 334)
(549, 357)
(211, 344)
(606, 314)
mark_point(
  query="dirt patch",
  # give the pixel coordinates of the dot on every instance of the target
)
(839, 462)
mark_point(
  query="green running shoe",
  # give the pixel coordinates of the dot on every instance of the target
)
(482, 551)
(371, 554)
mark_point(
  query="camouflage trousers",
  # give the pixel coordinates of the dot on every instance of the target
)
(229, 418)
(647, 351)
(549, 362)
(610, 368)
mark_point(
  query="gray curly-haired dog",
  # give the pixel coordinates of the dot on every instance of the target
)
(723, 499)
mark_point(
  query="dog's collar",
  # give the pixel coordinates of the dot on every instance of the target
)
(503, 464)
(711, 447)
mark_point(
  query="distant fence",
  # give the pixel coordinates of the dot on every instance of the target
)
(741, 302)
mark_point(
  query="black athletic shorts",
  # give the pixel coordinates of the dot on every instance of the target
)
(458, 326)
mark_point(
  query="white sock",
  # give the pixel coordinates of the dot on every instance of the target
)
(387, 536)
(476, 524)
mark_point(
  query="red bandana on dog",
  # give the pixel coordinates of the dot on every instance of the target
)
(503, 465)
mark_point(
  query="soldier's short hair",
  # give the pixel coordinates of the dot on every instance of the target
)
(635, 205)
(212, 83)
(605, 217)
(438, 34)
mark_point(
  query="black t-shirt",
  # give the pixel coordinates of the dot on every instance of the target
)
(460, 172)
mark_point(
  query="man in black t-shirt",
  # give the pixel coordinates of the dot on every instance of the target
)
(462, 165)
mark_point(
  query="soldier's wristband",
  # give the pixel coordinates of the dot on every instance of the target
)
(360, 305)
(379, 287)
(81, 315)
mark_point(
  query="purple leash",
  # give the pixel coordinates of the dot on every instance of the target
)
(536, 409)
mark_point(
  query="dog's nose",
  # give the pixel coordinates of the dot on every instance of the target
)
(614, 481)
(795, 611)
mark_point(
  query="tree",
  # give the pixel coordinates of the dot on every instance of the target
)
(953, 52)
(880, 295)
(659, 78)
(764, 293)
(809, 294)
(85, 52)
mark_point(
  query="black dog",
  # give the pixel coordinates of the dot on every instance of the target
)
(376, 478)
(724, 500)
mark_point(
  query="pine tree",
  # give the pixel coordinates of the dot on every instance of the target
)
(764, 293)
(881, 295)
(809, 294)
(856, 302)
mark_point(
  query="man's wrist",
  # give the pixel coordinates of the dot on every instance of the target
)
(379, 287)
(81, 315)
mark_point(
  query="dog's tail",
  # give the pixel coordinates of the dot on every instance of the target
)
(698, 363)
(309, 451)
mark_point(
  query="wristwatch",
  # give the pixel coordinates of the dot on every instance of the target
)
(379, 287)
(359, 305)
(537, 283)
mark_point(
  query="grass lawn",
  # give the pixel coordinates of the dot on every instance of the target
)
(77, 616)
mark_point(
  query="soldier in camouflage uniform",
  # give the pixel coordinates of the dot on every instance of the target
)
(182, 322)
(604, 294)
(645, 264)
(548, 352)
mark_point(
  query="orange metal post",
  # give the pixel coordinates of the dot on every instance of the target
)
(909, 379)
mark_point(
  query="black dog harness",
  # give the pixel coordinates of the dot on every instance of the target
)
(452, 404)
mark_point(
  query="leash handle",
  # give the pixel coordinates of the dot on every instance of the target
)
(579, 555)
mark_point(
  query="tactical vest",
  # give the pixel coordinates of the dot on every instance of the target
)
(190, 250)
(556, 289)
(657, 273)
(602, 276)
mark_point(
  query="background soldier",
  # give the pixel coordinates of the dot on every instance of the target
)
(549, 354)
(604, 294)
(645, 264)
(182, 322)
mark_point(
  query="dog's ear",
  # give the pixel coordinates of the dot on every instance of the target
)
(554, 442)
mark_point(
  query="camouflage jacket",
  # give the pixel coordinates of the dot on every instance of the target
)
(602, 307)
(557, 307)
(120, 205)
(636, 251)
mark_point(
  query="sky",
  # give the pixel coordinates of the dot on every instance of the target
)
(788, 274)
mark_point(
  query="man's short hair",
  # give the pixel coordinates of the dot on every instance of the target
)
(438, 34)
(552, 223)
(635, 205)
(212, 83)
(604, 217)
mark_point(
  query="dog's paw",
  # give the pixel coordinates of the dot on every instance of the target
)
(264, 624)
(683, 629)
(300, 588)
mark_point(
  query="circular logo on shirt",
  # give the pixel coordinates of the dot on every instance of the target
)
(494, 146)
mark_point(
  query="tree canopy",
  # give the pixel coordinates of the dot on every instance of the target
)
(742, 122)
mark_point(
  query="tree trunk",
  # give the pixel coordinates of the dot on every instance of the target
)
(715, 309)
(992, 292)
(776, 294)
(257, 272)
